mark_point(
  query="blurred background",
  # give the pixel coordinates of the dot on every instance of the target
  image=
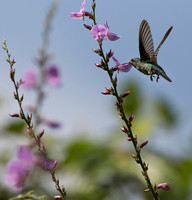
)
(93, 155)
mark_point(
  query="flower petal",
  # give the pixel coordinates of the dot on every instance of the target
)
(112, 36)
(76, 15)
(115, 60)
(125, 67)
(83, 6)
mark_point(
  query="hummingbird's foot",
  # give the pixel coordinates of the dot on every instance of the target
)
(151, 77)
(157, 78)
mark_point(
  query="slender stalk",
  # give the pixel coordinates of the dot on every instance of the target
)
(124, 118)
(138, 157)
(27, 119)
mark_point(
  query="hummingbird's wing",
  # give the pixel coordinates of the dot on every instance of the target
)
(163, 40)
(146, 47)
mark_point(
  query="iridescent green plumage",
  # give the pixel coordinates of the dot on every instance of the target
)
(147, 63)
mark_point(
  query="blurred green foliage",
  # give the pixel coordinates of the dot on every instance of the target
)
(15, 126)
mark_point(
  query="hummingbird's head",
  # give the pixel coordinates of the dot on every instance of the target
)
(134, 61)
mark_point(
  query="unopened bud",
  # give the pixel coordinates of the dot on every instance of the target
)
(57, 197)
(164, 186)
(143, 144)
(98, 65)
(125, 94)
(129, 139)
(105, 93)
(21, 99)
(102, 63)
(63, 189)
(14, 115)
(54, 164)
(29, 131)
(124, 129)
(95, 50)
(133, 155)
(93, 5)
(41, 134)
(110, 54)
(87, 26)
(13, 61)
(12, 73)
(4, 41)
(131, 117)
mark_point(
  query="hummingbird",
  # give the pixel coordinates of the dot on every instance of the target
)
(147, 63)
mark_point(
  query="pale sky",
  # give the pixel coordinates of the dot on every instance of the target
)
(79, 104)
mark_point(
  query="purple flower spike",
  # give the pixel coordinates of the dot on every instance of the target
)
(111, 36)
(19, 168)
(99, 33)
(80, 14)
(30, 79)
(52, 76)
(125, 67)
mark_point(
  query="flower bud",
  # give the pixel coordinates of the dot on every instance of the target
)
(143, 144)
(131, 117)
(41, 134)
(164, 186)
(105, 93)
(57, 197)
(124, 129)
(54, 164)
(14, 115)
(95, 50)
(108, 89)
(87, 26)
(129, 139)
(98, 65)
(110, 54)
(102, 63)
(125, 94)
(4, 41)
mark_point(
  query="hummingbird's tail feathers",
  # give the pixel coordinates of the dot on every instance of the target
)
(164, 75)
(163, 40)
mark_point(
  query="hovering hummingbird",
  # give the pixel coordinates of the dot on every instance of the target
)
(147, 64)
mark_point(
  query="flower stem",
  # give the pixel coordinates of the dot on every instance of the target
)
(27, 119)
(130, 133)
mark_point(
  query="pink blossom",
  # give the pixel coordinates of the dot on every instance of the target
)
(52, 76)
(19, 168)
(99, 33)
(111, 36)
(80, 14)
(125, 67)
(30, 79)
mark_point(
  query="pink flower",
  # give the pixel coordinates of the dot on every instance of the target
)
(30, 79)
(19, 168)
(125, 67)
(80, 14)
(99, 33)
(111, 36)
(52, 76)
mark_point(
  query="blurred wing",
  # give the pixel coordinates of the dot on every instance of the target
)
(146, 47)
(163, 40)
